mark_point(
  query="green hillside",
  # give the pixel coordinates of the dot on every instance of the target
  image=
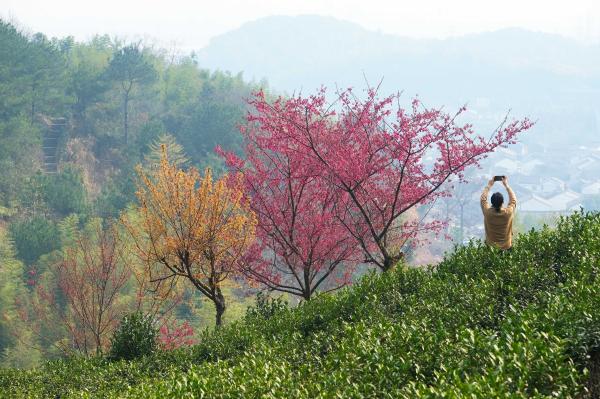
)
(480, 324)
(76, 117)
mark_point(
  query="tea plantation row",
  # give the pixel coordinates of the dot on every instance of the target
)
(481, 324)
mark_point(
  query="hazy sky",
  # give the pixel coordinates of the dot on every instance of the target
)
(191, 24)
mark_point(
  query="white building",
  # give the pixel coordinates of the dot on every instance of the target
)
(591, 189)
(564, 202)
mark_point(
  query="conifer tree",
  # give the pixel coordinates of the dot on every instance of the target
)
(175, 153)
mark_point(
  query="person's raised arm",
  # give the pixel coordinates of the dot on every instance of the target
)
(484, 202)
(512, 198)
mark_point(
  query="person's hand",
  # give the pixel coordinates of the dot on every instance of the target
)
(505, 181)
(491, 182)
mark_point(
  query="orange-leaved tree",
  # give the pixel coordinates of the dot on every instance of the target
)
(192, 228)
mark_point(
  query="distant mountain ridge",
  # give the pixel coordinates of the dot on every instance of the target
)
(531, 72)
(263, 47)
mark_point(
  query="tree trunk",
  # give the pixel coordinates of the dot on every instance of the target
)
(125, 116)
(307, 294)
(390, 262)
(98, 343)
(32, 116)
(219, 301)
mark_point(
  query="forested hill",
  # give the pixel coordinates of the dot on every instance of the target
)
(116, 99)
(75, 119)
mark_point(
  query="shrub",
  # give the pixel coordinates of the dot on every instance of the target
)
(65, 192)
(34, 238)
(135, 337)
(265, 307)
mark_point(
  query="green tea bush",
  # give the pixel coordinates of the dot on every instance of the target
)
(480, 324)
(135, 337)
(266, 307)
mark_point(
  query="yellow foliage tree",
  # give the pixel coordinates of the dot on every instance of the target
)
(191, 228)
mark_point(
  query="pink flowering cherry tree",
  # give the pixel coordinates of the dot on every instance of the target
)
(369, 162)
(301, 245)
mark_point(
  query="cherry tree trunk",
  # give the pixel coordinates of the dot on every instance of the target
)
(219, 301)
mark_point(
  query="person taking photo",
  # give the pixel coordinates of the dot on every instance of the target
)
(498, 220)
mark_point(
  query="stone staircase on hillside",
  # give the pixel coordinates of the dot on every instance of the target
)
(50, 138)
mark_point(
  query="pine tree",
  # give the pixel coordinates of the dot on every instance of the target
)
(175, 153)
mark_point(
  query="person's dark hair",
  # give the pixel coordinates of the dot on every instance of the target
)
(497, 201)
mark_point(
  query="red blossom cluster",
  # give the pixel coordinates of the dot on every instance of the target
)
(175, 335)
(31, 281)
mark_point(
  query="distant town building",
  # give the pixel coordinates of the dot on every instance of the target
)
(551, 185)
(591, 189)
(564, 202)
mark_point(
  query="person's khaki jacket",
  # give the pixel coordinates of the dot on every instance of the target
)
(498, 224)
